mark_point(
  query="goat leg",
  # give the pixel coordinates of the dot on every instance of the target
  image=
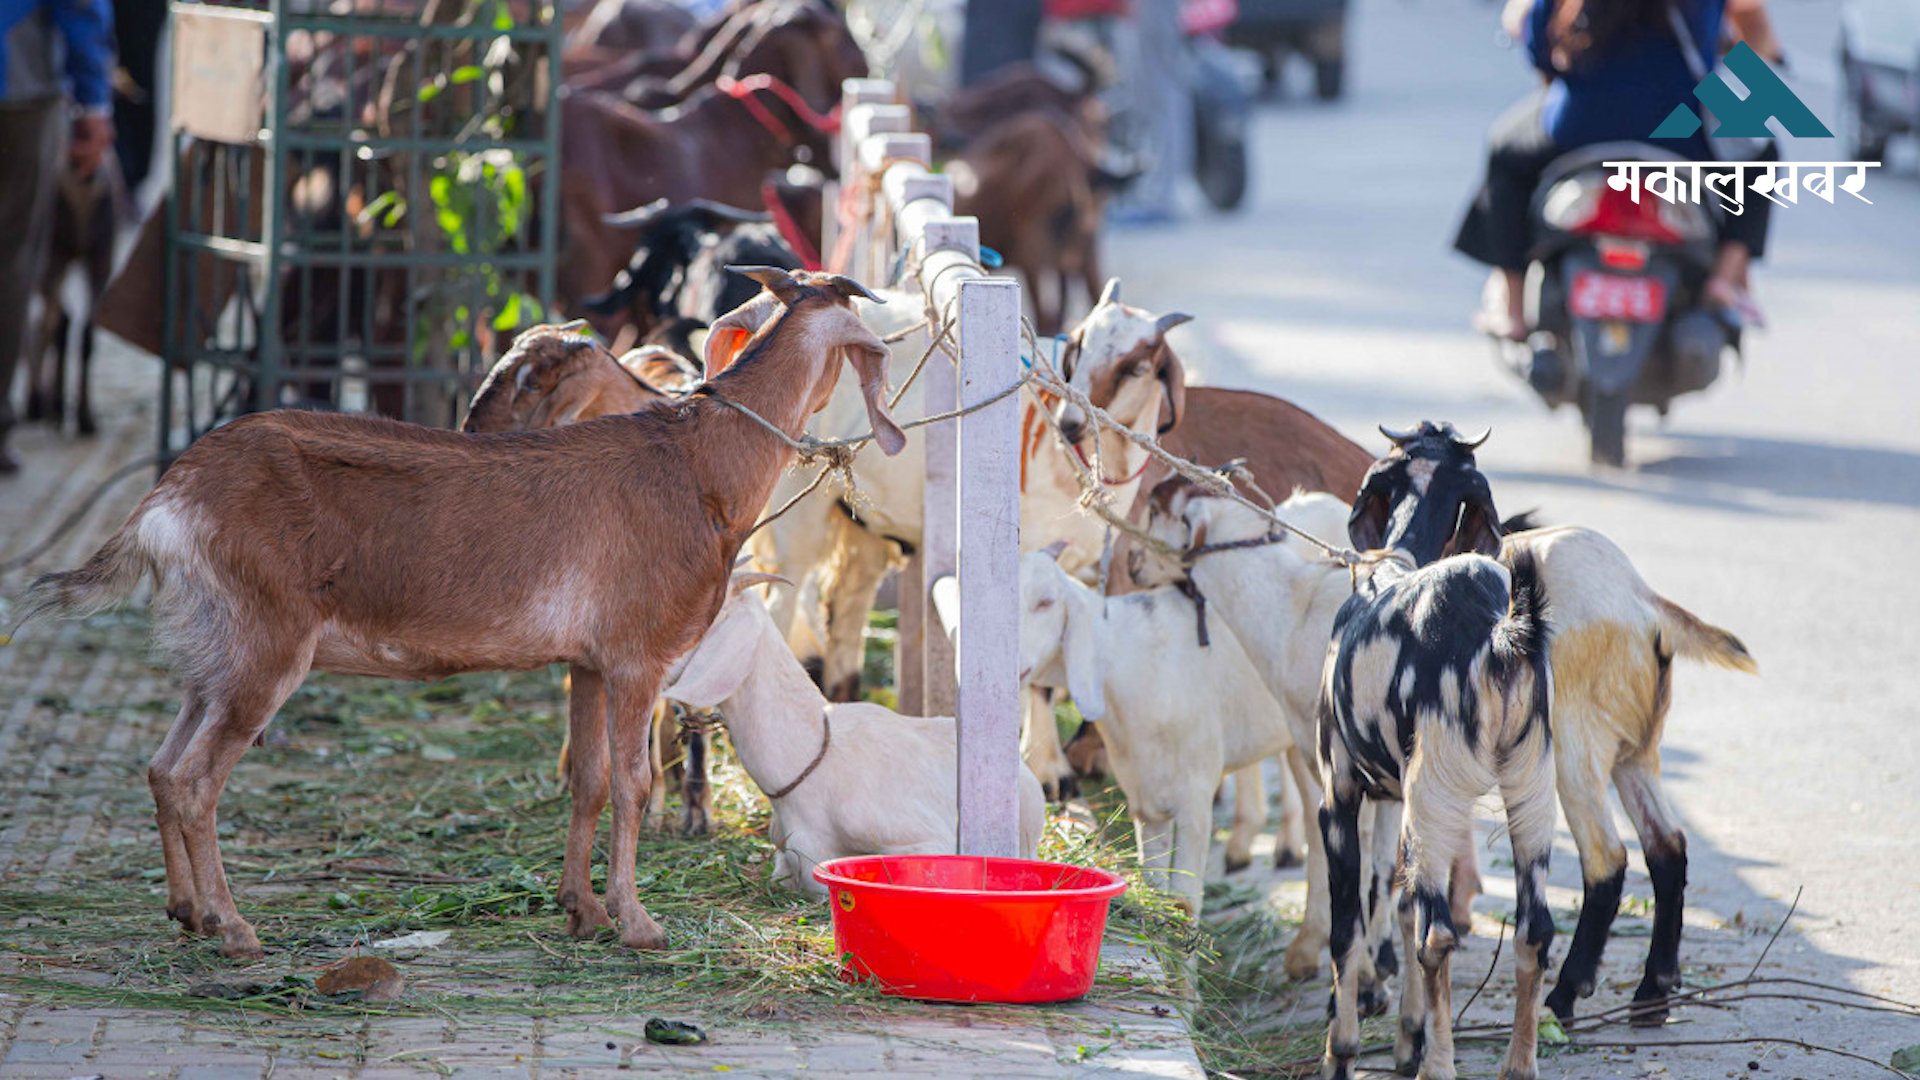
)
(696, 788)
(182, 902)
(1665, 846)
(630, 698)
(661, 737)
(83, 393)
(587, 781)
(235, 714)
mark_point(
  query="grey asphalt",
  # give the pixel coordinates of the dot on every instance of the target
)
(1781, 504)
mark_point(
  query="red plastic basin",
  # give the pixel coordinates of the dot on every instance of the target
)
(966, 928)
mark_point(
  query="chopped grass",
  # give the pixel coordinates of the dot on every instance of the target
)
(379, 808)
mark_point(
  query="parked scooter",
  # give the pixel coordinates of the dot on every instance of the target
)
(1614, 294)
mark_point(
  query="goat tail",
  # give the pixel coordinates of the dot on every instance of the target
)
(1520, 643)
(1522, 636)
(104, 580)
(1699, 640)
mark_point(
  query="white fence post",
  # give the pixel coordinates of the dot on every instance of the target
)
(989, 570)
(969, 555)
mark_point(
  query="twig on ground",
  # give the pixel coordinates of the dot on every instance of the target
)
(1795, 906)
(1495, 962)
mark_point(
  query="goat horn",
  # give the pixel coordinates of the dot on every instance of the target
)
(850, 288)
(747, 579)
(773, 279)
(1170, 320)
(637, 216)
(716, 211)
(1110, 294)
(1473, 444)
(1399, 438)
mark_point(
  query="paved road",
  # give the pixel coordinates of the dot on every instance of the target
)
(1781, 504)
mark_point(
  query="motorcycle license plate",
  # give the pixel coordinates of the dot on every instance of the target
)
(1615, 296)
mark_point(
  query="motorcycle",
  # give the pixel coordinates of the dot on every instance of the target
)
(1615, 293)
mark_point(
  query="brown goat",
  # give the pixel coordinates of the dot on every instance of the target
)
(288, 542)
(717, 147)
(1030, 182)
(1285, 446)
(531, 390)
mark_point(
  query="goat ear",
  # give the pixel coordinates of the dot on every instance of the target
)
(1173, 376)
(774, 280)
(570, 401)
(1479, 527)
(1110, 294)
(1054, 550)
(731, 332)
(1367, 524)
(1082, 658)
(869, 359)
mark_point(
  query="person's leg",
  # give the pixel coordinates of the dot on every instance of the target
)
(1743, 238)
(1161, 100)
(1496, 230)
(31, 146)
(137, 26)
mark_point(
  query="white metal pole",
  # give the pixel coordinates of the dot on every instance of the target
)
(989, 570)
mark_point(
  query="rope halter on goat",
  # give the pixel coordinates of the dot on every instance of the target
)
(743, 91)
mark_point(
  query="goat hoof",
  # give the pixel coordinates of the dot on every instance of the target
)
(1285, 857)
(182, 913)
(1302, 964)
(1409, 1047)
(1648, 1012)
(86, 425)
(642, 933)
(586, 923)
(1235, 865)
(1372, 1002)
(694, 823)
(237, 940)
(1560, 1000)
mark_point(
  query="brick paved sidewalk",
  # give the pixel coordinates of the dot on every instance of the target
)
(81, 708)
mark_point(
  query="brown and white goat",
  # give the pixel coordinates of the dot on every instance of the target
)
(1613, 644)
(288, 542)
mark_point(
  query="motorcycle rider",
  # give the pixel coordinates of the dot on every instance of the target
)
(1611, 70)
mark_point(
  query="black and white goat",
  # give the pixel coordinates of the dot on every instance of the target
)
(676, 281)
(1437, 688)
(1613, 644)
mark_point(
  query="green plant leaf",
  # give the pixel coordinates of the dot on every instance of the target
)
(430, 91)
(465, 73)
(509, 316)
(1907, 1059)
(1550, 1031)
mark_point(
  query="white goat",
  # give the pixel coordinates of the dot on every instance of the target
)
(846, 779)
(1280, 600)
(1176, 716)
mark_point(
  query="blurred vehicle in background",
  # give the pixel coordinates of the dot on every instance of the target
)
(1316, 30)
(1220, 103)
(1615, 292)
(1879, 74)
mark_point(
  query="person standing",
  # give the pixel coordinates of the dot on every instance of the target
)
(55, 51)
(1160, 110)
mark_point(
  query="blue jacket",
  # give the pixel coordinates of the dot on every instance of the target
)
(1632, 83)
(33, 59)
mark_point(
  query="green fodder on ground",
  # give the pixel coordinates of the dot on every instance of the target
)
(377, 809)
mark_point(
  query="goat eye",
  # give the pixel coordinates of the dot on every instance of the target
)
(1043, 605)
(1142, 369)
